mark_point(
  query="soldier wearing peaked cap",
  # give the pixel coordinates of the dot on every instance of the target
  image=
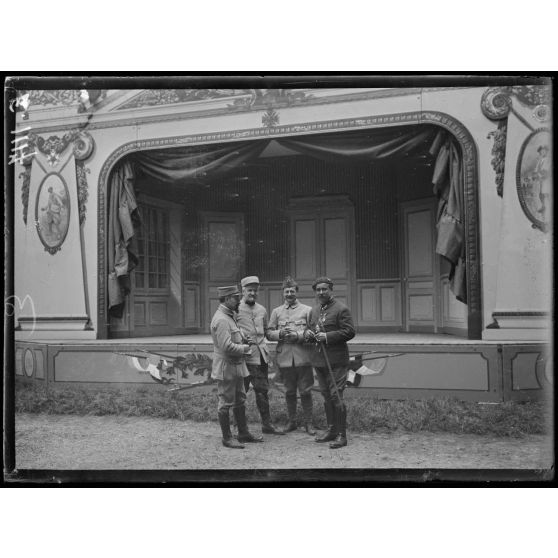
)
(229, 367)
(252, 319)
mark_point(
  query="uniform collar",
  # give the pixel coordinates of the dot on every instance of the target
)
(293, 305)
(226, 310)
(327, 304)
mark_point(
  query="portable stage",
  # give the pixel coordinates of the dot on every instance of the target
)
(427, 206)
(400, 366)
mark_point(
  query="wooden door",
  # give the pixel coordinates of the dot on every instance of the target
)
(322, 243)
(420, 267)
(223, 235)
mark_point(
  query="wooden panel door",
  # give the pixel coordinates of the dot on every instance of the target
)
(420, 267)
(322, 243)
(225, 252)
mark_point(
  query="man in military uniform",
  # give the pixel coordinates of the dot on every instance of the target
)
(286, 326)
(229, 367)
(330, 326)
(252, 319)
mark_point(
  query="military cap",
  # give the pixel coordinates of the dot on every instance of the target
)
(289, 282)
(228, 291)
(322, 280)
(250, 280)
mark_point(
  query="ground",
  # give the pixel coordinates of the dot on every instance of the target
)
(115, 442)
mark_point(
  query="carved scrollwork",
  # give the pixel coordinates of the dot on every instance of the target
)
(499, 154)
(496, 102)
(83, 146)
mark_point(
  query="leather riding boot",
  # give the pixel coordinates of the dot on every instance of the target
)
(291, 425)
(224, 422)
(331, 432)
(243, 432)
(341, 439)
(306, 400)
(262, 402)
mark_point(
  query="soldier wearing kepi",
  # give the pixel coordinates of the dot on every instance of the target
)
(330, 326)
(286, 326)
(252, 319)
(229, 367)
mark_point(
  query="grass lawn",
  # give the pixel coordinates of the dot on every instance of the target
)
(364, 414)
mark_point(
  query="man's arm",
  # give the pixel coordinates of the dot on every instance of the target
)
(272, 333)
(225, 342)
(345, 331)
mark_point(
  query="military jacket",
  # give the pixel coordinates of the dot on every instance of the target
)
(253, 323)
(335, 319)
(228, 348)
(295, 317)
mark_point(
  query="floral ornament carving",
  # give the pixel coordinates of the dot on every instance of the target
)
(83, 193)
(499, 154)
(532, 95)
(26, 174)
(270, 118)
(65, 97)
(268, 98)
(156, 97)
(54, 146)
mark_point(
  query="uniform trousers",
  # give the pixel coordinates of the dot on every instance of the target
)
(327, 387)
(231, 391)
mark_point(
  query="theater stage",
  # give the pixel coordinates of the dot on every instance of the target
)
(400, 365)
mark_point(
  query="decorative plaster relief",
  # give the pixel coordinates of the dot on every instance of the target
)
(52, 212)
(533, 177)
(499, 154)
(52, 148)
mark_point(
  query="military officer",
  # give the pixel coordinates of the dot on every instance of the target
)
(229, 367)
(330, 326)
(252, 319)
(286, 326)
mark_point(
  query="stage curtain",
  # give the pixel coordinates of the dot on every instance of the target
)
(367, 145)
(123, 219)
(447, 180)
(195, 163)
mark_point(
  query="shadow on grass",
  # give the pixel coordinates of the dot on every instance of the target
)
(364, 414)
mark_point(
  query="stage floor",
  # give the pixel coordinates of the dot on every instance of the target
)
(359, 339)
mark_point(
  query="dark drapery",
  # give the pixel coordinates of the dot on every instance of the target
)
(448, 188)
(189, 164)
(367, 145)
(195, 162)
(123, 218)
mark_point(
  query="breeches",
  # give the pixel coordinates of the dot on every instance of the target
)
(258, 378)
(231, 391)
(300, 377)
(327, 387)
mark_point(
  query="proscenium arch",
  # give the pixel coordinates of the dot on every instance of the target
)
(455, 127)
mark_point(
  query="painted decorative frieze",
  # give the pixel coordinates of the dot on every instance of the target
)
(156, 97)
(246, 99)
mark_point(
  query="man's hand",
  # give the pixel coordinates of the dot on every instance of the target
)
(320, 337)
(291, 336)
